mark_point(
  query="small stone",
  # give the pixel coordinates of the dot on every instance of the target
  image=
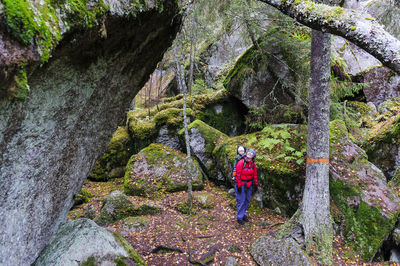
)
(231, 261)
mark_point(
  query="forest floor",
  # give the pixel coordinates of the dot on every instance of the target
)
(206, 235)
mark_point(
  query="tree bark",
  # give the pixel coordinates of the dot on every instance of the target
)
(182, 88)
(191, 58)
(354, 26)
(315, 211)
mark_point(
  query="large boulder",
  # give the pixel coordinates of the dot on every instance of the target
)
(382, 140)
(367, 207)
(68, 71)
(381, 82)
(269, 251)
(112, 163)
(269, 77)
(117, 206)
(203, 139)
(157, 169)
(83, 242)
(279, 159)
(161, 123)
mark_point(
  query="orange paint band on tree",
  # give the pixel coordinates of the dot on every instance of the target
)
(321, 160)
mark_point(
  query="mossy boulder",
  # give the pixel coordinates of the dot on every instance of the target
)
(382, 141)
(84, 241)
(82, 197)
(204, 200)
(280, 163)
(157, 169)
(203, 139)
(134, 224)
(267, 77)
(159, 124)
(72, 101)
(359, 190)
(116, 206)
(112, 163)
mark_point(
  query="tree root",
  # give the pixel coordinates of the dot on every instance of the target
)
(206, 258)
(161, 248)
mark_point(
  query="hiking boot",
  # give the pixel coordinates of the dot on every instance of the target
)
(245, 219)
(241, 222)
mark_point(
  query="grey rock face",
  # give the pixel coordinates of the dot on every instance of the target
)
(168, 138)
(76, 241)
(269, 251)
(49, 142)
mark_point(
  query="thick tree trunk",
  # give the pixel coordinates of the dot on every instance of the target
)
(354, 26)
(315, 211)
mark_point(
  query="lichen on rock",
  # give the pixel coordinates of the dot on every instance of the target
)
(83, 241)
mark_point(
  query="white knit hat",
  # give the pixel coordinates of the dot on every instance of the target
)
(241, 148)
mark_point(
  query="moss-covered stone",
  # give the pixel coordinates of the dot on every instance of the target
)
(133, 254)
(203, 139)
(157, 169)
(44, 22)
(112, 163)
(279, 159)
(116, 206)
(212, 108)
(133, 224)
(382, 140)
(361, 194)
(82, 197)
(268, 76)
(204, 200)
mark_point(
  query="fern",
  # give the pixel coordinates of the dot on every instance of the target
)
(252, 140)
(269, 143)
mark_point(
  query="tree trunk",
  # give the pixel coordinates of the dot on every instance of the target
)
(191, 58)
(150, 85)
(315, 211)
(182, 87)
(354, 26)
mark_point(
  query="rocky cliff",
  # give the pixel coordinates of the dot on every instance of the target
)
(68, 70)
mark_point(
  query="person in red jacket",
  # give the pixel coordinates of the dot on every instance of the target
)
(246, 182)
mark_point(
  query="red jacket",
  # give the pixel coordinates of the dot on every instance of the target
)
(246, 174)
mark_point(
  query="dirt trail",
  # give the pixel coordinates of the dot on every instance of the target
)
(208, 235)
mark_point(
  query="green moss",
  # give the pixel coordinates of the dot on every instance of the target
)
(22, 86)
(91, 261)
(133, 254)
(113, 161)
(365, 226)
(29, 21)
(166, 172)
(83, 197)
(120, 261)
(218, 120)
(245, 65)
(280, 162)
(210, 134)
